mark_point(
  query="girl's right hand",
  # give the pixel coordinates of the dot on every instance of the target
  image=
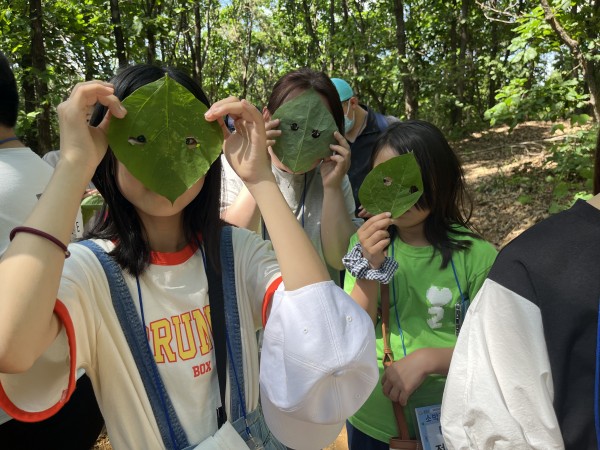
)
(82, 145)
(272, 132)
(375, 238)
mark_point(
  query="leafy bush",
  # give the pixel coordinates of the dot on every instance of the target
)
(572, 168)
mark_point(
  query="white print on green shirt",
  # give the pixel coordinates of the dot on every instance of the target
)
(438, 297)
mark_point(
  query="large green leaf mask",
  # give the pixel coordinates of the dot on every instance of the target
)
(393, 186)
(307, 129)
(164, 140)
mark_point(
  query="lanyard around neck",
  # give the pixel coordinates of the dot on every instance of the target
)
(221, 416)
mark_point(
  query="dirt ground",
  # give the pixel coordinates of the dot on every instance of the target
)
(493, 160)
(489, 159)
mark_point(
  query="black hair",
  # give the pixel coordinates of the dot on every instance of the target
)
(306, 78)
(121, 222)
(9, 106)
(444, 191)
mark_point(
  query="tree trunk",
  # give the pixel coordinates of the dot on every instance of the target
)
(331, 36)
(462, 61)
(38, 58)
(150, 31)
(589, 67)
(28, 88)
(314, 47)
(115, 20)
(410, 85)
(492, 82)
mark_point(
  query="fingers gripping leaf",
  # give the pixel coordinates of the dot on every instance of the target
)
(393, 186)
(164, 140)
(307, 129)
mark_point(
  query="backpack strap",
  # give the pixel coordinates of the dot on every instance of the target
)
(170, 428)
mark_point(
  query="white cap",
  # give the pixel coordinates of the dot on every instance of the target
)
(318, 364)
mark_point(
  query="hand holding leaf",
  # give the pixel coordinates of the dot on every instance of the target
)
(336, 166)
(246, 149)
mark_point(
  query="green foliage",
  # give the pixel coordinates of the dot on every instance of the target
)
(571, 173)
(470, 64)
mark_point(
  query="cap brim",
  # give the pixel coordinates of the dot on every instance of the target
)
(297, 434)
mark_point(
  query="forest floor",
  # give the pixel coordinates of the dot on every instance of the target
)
(492, 161)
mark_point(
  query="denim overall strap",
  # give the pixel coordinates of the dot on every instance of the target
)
(250, 425)
(232, 321)
(171, 431)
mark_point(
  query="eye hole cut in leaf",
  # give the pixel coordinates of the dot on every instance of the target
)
(90, 205)
(164, 140)
(394, 186)
(307, 129)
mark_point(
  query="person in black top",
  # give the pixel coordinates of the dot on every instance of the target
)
(362, 127)
(526, 368)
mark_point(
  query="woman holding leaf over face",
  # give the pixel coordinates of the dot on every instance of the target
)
(310, 159)
(161, 305)
(419, 251)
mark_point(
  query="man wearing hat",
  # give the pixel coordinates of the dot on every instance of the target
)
(362, 126)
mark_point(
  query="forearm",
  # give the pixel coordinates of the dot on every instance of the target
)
(438, 360)
(243, 212)
(299, 262)
(31, 269)
(336, 227)
(365, 294)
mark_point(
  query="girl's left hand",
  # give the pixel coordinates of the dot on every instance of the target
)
(336, 166)
(404, 376)
(246, 148)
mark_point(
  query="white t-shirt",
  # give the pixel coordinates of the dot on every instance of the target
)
(177, 317)
(23, 178)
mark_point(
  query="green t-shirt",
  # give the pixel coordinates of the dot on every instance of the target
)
(422, 301)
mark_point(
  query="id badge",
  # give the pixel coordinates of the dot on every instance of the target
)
(430, 429)
(460, 311)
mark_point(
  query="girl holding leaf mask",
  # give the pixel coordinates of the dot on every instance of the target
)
(310, 159)
(164, 237)
(439, 264)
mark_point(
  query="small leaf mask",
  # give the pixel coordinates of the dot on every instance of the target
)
(164, 140)
(307, 129)
(394, 186)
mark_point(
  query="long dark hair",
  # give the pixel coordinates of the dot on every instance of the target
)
(121, 222)
(444, 192)
(9, 106)
(306, 78)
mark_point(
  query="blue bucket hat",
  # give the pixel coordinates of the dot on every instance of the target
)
(343, 88)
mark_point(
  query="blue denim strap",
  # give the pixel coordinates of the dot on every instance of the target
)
(170, 428)
(232, 321)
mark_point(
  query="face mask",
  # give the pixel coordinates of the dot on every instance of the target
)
(348, 123)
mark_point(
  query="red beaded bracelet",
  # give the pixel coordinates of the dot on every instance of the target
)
(40, 233)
